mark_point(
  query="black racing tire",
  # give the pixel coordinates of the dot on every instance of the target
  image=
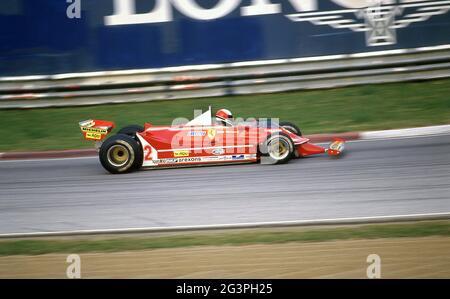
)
(131, 130)
(278, 148)
(121, 154)
(291, 127)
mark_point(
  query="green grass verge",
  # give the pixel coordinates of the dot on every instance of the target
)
(35, 247)
(369, 107)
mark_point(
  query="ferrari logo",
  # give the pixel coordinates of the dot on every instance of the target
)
(211, 133)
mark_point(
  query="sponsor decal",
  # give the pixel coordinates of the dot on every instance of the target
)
(184, 160)
(203, 159)
(93, 135)
(218, 151)
(196, 133)
(242, 157)
(166, 161)
(379, 20)
(238, 157)
(213, 158)
(181, 154)
(94, 130)
(177, 160)
(211, 133)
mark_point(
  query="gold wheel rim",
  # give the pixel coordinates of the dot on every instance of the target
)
(278, 148)
(118, 155)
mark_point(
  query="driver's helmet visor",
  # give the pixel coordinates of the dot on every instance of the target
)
(227, 122)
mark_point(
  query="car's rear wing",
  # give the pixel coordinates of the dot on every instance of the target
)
(96, 130)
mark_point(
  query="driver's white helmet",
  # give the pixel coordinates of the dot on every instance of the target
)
(224, 117)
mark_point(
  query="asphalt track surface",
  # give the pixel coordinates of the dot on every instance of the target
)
(374, 178)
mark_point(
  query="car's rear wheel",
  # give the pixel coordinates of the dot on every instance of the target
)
(291, 127)
(120, 154)
(277, 149)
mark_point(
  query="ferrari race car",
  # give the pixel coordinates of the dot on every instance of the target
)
(200, 142)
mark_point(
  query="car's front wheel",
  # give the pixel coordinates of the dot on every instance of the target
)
(121, 154)
(277, 149)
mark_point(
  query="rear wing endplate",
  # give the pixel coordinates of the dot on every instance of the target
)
(96, 130)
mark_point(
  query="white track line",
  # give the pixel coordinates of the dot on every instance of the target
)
(328, 221)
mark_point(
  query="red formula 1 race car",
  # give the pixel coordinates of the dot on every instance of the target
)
(201, 142)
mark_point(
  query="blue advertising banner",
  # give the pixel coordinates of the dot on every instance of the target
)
(66, 36)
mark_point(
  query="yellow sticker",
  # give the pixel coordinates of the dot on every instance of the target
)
(93, 135)
(211, 133)
(181, 154)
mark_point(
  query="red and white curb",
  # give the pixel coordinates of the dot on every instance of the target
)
(370, 135)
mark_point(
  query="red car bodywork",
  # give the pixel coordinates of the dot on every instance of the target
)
(211, 144)
(206, 144)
